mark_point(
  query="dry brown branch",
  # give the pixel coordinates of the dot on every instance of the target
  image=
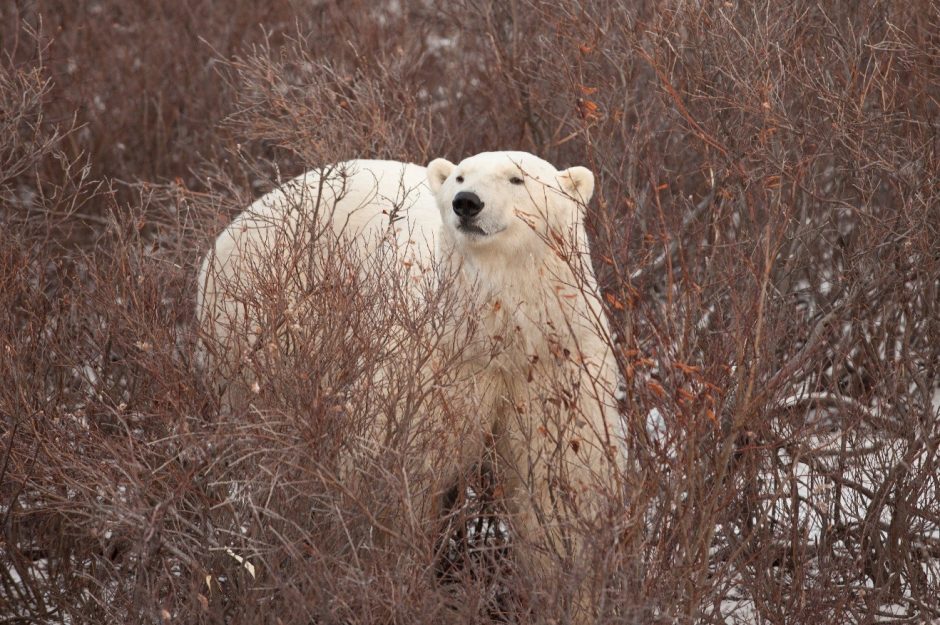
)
(764, 229)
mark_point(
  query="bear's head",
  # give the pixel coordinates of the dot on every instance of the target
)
(510, 201)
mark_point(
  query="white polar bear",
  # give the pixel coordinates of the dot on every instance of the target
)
(507, 229)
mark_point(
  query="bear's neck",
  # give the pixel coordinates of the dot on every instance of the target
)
(534, 302)
(538, 329)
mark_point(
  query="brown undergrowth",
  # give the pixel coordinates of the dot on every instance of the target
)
(764, 229)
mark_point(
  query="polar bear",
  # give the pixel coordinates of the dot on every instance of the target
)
(506, 229)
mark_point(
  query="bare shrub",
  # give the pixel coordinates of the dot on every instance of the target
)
(764, 230)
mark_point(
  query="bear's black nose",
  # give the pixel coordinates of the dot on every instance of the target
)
(467, 204)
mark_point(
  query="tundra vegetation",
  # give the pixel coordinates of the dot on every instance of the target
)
(764, 231)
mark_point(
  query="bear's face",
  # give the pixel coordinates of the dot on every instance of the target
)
(512, 201)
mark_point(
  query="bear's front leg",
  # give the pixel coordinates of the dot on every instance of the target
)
(559, 476)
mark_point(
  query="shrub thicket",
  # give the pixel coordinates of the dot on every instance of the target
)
(765, 231)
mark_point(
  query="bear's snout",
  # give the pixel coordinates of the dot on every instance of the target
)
(467, 204)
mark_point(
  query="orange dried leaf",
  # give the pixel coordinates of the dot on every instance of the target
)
(712, 387)
(613, 301)
(587, 109)
(656, 387)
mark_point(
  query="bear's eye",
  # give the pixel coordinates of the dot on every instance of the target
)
(516, 180)
(459, 178)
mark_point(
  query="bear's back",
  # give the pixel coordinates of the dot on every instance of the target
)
(370, 211)
(358, 199)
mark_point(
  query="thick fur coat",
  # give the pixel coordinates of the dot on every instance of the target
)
(506, 231)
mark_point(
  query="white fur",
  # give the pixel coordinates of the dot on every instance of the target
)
(354, 202)
(541, 369)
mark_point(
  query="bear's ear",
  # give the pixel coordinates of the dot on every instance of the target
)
(579, 182)
(438, 171)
